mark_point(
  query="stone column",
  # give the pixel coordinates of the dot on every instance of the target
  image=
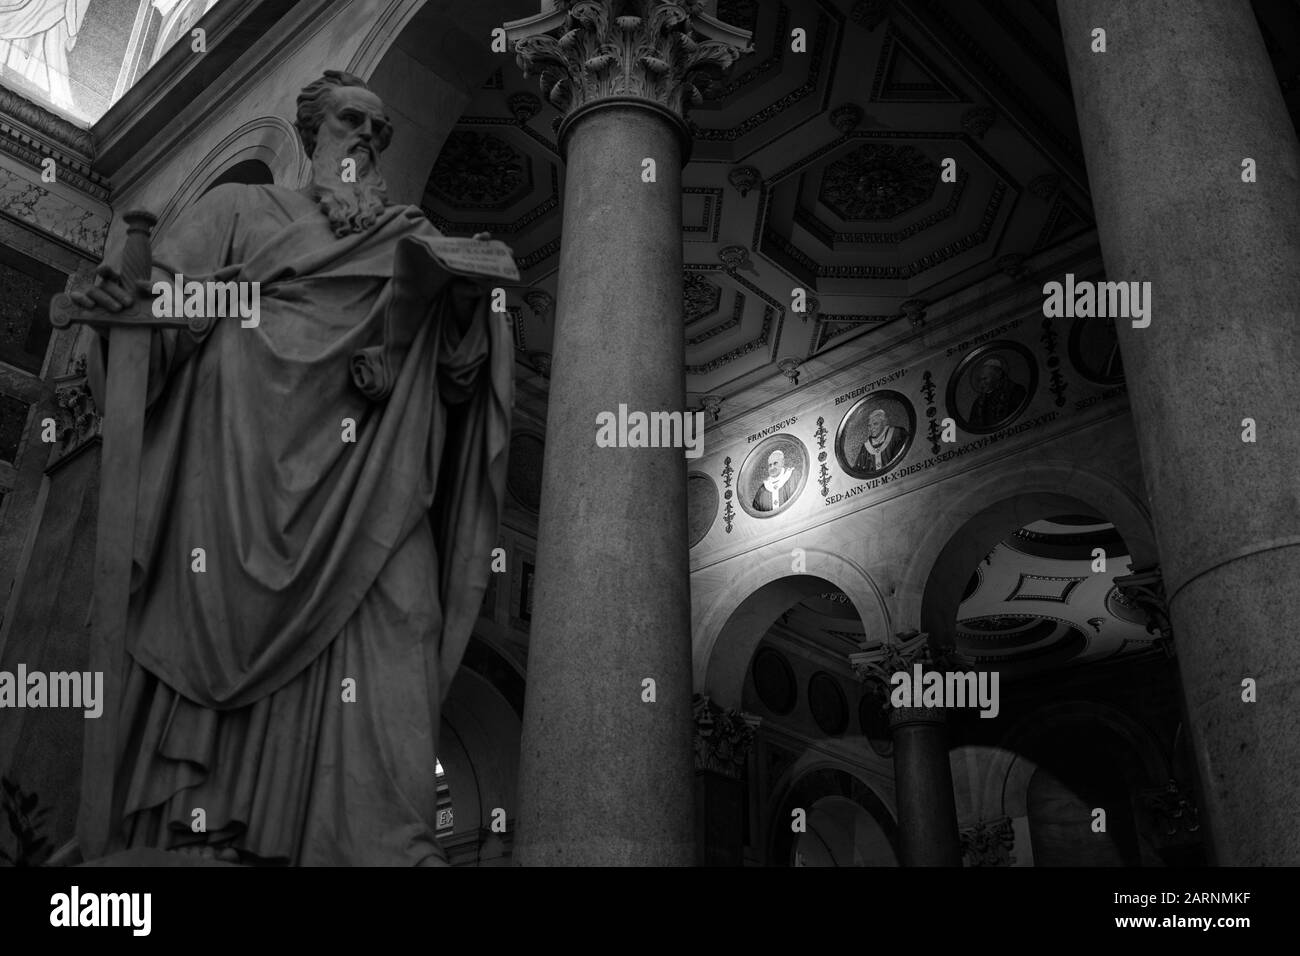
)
(605, 767)
(1183, 94)
(927, 809)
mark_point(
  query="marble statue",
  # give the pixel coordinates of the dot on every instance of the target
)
(341, 466)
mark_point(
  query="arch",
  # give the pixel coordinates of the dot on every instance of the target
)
(731, 627)
(814, 784)
(478, 747)
(248, 171)
(843, 834)
(984, 510)
(992, 781)
(269, 140)
(1027, 734)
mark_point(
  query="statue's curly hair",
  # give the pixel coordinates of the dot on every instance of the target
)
(315, 98)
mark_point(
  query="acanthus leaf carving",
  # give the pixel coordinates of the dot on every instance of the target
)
(652, 55)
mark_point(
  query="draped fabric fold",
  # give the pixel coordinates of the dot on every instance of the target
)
(344, 539)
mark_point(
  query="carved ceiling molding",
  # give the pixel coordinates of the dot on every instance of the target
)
(733, 321)
(870, 13)
(31, 133)
(808, 220)
(770, 63)
(540, 301)
(478, 170)
(758, 342)
(736, 257)
(744, 178)
(833, 326)
(846, 117)
(700, 297)
(1064, 220)
(1045, 185)
(773, 315)
(548, 205)
(524, 106)
(712, 219)
(878, 181)
(773, 240)
(979, 120)
(538, 255)
(816, 57)
(942, 90)
(739, 13)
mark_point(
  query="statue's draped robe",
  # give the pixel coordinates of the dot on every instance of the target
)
(327, 561)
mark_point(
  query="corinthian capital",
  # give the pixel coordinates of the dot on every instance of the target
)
(722, 738)
(654, 50)
(877, 664)
(1144, 589)
(876, 667)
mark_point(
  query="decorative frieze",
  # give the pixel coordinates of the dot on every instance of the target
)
(31, 133)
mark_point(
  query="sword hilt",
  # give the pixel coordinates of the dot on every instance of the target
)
(137, 255)
(137, 269)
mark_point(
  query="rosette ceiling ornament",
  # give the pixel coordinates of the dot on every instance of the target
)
(659, 51)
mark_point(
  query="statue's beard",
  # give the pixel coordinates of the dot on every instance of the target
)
(350, 207)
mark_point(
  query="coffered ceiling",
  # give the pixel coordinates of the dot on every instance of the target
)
(817, 169)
